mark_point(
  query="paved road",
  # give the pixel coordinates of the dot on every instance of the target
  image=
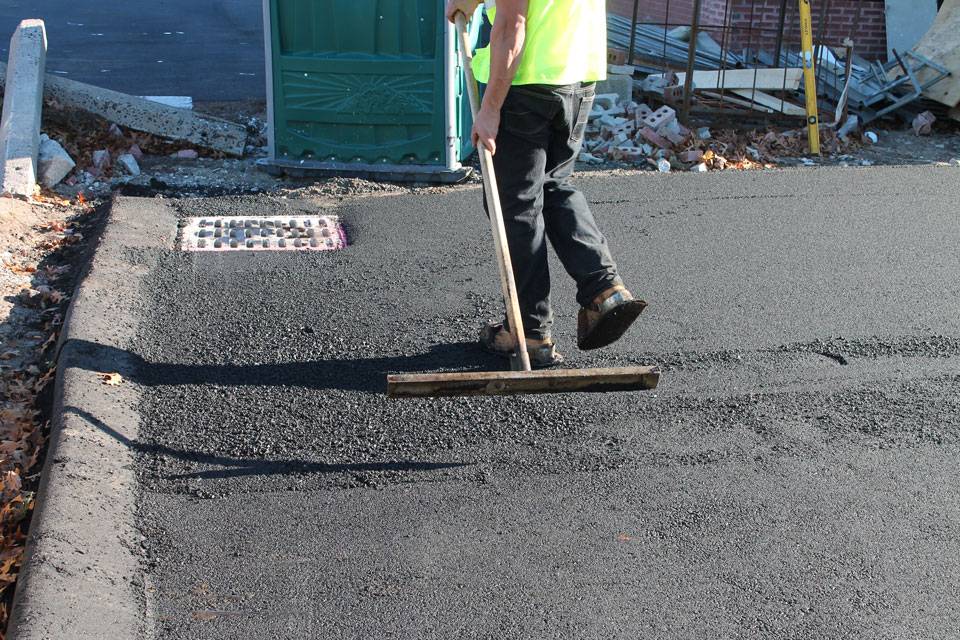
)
(211, 50)
(795, 476)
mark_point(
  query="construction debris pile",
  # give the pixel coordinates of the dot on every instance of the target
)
(912, 88)
(83, 150)
(635, 134)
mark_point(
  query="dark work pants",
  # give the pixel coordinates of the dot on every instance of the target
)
(541, 131)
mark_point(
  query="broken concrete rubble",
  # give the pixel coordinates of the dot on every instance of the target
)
(589, 158)
(22, 106)
(923, 123)
(53, 162)
(851, 125)
(101, 159)
(129, 164)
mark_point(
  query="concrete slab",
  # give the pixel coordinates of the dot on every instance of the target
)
(145, 115)
(22, 105)
(619, 84)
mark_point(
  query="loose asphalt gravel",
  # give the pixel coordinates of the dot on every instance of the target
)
(794, 476)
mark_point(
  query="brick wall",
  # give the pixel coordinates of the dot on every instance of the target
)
(677, 12)
(754, 23)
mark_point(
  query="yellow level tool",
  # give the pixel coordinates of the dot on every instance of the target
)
(809, 76)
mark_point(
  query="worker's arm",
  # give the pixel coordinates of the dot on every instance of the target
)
(506, 49)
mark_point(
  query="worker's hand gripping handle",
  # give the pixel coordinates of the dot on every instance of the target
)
(520, 360)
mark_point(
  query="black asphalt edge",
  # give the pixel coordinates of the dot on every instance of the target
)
(81, 577)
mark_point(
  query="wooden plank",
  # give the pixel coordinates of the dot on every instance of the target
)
(771, 102)
(500, 383)
(726, 97)
(788, 79)
(941, 44)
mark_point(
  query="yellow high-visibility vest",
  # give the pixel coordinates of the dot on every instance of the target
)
(565, 42)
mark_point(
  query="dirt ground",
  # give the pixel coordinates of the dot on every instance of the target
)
(42, 249)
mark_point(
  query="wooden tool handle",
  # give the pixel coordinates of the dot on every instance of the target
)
(521, 360)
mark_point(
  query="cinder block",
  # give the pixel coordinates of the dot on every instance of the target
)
(620, 85)
(605, 101)
(674, 132)
(659, 118)
(656, 139)
(22, 105)
(628, 154)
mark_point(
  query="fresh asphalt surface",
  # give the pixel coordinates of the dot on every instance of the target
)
(794, 477)
(207, 49)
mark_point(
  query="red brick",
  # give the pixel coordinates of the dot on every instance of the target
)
(754, 23)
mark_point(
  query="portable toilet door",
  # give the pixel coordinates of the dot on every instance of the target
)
(364, 88)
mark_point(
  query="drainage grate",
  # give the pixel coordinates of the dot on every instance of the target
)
(322, 233)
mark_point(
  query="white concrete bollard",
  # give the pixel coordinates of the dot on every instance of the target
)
(22, 105)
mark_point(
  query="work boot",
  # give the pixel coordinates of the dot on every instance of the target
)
(495, 339)
(607, 318)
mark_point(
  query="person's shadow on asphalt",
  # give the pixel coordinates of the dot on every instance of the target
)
(364, 375)
(349, 374)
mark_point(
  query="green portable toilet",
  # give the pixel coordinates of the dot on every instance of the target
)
(365, 88)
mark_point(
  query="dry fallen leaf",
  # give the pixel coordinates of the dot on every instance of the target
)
(112, 379)
(23, 269)
(55, 272)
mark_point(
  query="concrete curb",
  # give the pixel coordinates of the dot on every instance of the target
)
(81, 577)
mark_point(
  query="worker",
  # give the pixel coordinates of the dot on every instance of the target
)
(540, 70)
